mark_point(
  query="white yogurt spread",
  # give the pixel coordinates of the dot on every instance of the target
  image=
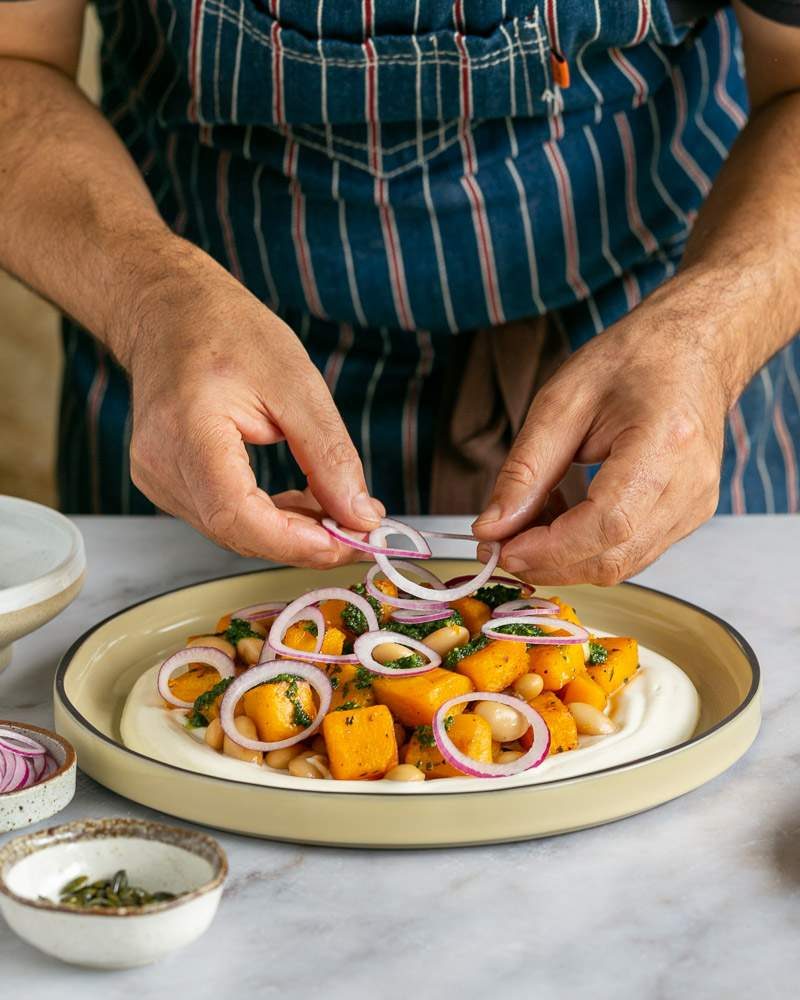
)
(658, 709)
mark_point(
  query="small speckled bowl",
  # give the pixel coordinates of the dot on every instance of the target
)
(156, 857)
(47, 797)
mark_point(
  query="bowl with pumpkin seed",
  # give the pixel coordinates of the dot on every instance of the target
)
(111, 893)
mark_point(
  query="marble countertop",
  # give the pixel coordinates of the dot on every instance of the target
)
(699, 898)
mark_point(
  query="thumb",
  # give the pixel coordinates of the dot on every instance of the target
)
(324, 451)
(539, 459)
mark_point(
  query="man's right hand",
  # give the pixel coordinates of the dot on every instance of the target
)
(212, 369)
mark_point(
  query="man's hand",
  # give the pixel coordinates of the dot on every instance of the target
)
(213, 369)
(648, 398)
(647, 401)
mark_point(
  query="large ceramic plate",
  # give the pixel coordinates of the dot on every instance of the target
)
(97, 673)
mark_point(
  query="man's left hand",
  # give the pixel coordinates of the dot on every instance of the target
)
(647, 399)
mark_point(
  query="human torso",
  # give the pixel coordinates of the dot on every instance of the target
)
(401, 164)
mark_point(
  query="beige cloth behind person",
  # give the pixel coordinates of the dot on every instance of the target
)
(488, 390)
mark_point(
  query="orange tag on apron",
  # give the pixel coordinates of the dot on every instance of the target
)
(560, 70)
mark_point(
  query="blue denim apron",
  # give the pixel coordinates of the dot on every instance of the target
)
(386, 174)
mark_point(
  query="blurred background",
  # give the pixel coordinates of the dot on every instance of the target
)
(30, 360)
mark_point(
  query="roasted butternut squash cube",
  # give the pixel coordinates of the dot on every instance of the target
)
(352, 685)
(299, 636)
(474, 613)
(556, 665)
(195, 681)
(332, 612)
(472, 734)
(413, 700)
(361, 743)
(583, 688)
(567, 612)
(621, 665)
(333, 641)
(559, 720)
(388, 588)
(280, 709)
(211, 711)
(496, 666)
(223, 624)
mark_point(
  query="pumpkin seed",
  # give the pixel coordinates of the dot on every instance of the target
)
(111, 893)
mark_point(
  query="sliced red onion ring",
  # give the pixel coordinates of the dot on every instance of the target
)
(260, 612)
(477, 769)
(209, 655)
(366, 643)
(408, 603)
(22, 751)
(15, 771)
(260, 675)
(576, 633)
(20, 770)
(267, 654)
(19, 743)
(289, 613)
(526, 588)
(421, 616)
(526, 606)
(453, 536)
(389, 526)
(449, 593)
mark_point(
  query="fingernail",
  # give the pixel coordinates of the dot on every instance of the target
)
(366, 508)
(484, 551)
(514, 564)
(490, 515)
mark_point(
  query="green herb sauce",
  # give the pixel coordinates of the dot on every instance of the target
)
(455, 656)
(197, 717)
(497, 594)
(597, 654)
(239, 629)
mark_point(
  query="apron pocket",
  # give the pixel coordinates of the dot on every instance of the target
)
(282, 76)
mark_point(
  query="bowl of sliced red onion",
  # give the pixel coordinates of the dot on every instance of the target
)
(37, 774)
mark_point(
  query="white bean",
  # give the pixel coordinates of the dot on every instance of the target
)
(301, 767)
(247, 728)
(249, 649)
(404, 772)
(590, 720)
(279, 759)
(389, 651)
(506, 756)
(321, 763)
(444, 639)
(216, 641)
(506, 723)
(214, 736)
(528, 686)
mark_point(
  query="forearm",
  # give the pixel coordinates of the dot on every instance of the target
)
(77, 222)
(742, 261)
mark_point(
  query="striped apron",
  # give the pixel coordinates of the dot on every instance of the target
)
(389, 175)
